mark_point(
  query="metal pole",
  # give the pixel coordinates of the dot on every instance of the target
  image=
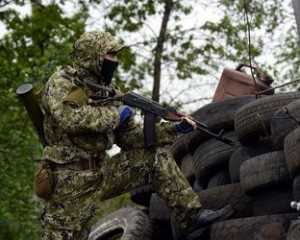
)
(296, 5)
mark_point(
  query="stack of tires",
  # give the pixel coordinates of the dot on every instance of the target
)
(260, 174)
(258, 177)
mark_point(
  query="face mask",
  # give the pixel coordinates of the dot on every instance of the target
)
(108, 68)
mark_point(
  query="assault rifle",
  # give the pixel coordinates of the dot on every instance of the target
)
(152, 109)
(167, 113)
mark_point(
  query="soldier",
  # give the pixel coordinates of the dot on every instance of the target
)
(75, 170)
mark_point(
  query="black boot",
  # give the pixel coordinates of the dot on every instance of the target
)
(200, 223)
(207, 217)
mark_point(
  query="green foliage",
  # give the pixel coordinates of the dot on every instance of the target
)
(34, 46)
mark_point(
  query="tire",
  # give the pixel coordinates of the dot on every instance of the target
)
(142, 195)
(264, 171)
(253, 120)
(292, 152)
(219, 179)
(218, 197)
(220, 115)
(187, 169)
(210, 157)
(283, 122)
(179, 148)
(158, 209)
(195, 138)
(217, 116)
(126, 223)
(197, 187)
(272, 227)
(159, 215)
(273, 201)
(244, 153)
(296, 188)
(294, 230)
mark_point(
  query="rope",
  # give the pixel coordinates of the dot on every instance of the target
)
(248, 33)
(279, 86)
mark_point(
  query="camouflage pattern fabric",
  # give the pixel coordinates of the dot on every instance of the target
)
(87, 127)
(73, 203)
(76, 131)
(90, 49)
(131, 135)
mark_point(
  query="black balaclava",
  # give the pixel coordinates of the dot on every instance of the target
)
(108, 68)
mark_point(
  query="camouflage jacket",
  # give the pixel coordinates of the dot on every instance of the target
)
(76, 130)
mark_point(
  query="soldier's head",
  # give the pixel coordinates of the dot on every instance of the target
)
(96, 52)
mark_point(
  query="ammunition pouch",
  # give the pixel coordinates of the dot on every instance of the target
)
(44, 181)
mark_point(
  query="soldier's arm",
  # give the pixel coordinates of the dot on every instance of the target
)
(130, 136)
(165, 133)
(76, 118)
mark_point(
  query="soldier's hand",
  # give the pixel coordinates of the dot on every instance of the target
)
(186, 125)
(190, 121)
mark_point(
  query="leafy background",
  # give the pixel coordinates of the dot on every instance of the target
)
(167, 46)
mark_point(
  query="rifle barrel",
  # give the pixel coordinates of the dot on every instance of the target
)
(216, 136)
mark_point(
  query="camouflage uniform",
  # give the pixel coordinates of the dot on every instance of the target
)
(77, 132)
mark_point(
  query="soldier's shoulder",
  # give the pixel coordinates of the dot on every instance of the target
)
(61, 78)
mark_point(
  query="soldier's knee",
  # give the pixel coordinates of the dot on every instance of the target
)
(163, 158)
(57, 235)
(52, 234)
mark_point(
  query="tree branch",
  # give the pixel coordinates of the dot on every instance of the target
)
(196, 100)
(150, 28)
(4, 3)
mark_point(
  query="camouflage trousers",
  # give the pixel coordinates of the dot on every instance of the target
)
(67, 214)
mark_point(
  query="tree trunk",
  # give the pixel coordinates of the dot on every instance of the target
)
(296, 5)
(158, 51)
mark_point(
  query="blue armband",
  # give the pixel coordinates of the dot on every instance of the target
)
(125, 113)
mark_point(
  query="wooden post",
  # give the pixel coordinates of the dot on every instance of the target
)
(296, 5)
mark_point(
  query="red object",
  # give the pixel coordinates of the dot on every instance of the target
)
(234, 83)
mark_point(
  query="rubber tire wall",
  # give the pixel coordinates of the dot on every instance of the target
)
(210, 157)
(159, 215)
(284, 120)
(272, 227)
(221, 196)
(264, 171)
(296, 188)
(253, 120)
(242, 154)
(217, 116)
(219, 179)
(187, 168)
(273, 201)
(294, 230)
(292, 151)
